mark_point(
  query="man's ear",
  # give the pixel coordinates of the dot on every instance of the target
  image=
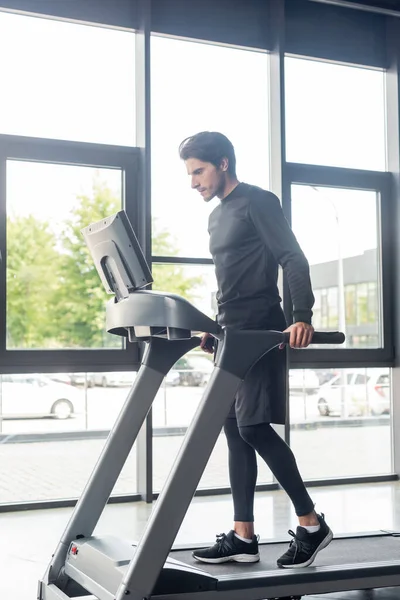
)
(224, 164)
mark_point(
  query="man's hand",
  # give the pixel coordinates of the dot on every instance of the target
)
(300, 335)
(207, 343)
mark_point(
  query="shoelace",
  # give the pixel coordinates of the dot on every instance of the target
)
(221, 537)
(299, 545)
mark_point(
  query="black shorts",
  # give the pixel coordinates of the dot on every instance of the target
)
(261, 397)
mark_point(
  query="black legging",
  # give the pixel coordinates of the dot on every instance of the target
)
(243, 443)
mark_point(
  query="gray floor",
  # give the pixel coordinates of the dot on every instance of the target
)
(28, 538)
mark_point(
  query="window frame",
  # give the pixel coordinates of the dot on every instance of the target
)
(304, 174)
(72, 154)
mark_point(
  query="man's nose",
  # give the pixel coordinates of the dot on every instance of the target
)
(195, 183)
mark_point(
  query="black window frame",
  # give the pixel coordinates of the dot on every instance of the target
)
(335, 177)
(41, 150)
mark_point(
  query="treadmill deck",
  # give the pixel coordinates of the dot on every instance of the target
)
(341, 551)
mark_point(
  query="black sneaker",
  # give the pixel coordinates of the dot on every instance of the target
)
(305, 546)
(229, 548)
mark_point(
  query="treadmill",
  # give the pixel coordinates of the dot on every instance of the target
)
(108, 568)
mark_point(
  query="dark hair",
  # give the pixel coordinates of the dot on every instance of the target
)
(209, 146)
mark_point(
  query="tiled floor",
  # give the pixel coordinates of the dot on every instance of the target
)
(29, 538)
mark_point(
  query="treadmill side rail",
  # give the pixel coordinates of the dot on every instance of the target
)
(178, 491)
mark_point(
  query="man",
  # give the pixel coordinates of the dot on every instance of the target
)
(249, 238)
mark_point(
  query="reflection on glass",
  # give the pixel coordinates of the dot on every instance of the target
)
(54, 295)
(343, 251)
(187, 97)
(82, 90)
(335, 114)
(338, 418)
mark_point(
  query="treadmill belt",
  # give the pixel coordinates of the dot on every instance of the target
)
(339, 552)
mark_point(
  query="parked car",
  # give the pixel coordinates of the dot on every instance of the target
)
(172, 378)
(194, 370)
(114, 378)
(355, 393)
(80, 379)
(109, 379)
(103, 379)
(35, 395)
(303, 381)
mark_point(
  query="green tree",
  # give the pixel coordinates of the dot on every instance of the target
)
(32, 278)
(54, 295)
(172, 278)
(82, 298)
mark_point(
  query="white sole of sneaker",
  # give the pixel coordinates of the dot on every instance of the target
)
(327, 540)
(240, 558)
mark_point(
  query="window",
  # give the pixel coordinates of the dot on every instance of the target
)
(189, 94)
(344, 255)
(335, 114)
(43, 418)
(326, 414)
(54, 296)
(75, 82)
(196, 283)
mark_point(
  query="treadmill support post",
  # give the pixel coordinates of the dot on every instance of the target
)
(238, 351)
(160, 356)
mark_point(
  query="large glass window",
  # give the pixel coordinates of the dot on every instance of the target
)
(52, 429)
(64, 80)
(334, 416)
(190, 94)
(54, 295)
(343, 250)
(335, 114)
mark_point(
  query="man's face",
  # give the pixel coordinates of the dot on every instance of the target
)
(207, 179)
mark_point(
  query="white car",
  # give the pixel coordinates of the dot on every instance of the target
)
(303, 381)
(124, 378)
(356, 393)
(193, 369)
(113, 378)
(38, 396)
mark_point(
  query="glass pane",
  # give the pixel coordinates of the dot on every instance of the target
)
(75, 82)
(52, 430)
(335, 114)
(188, 96)
(54, 295)
(339, 417)
(344, 256)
